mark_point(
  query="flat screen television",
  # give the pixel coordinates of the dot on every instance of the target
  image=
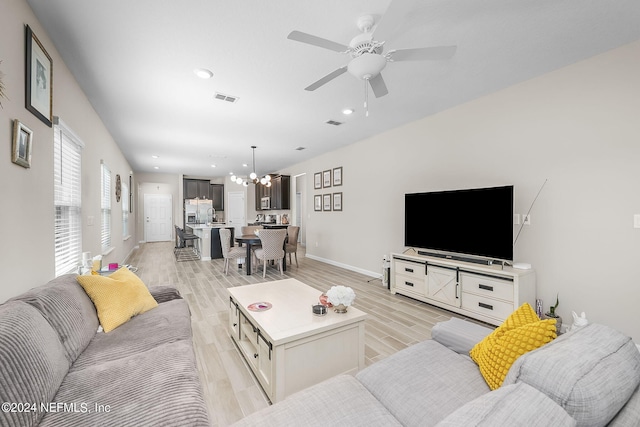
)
(477, 222)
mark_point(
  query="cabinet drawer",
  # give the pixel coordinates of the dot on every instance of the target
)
(486, 306)
(410, 269)
(487, 286)
(411, 284)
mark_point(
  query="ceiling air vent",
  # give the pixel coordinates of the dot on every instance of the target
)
(223, 97)
(300, 148)
(333, 122)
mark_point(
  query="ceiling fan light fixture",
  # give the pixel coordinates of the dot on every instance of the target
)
(367, 65)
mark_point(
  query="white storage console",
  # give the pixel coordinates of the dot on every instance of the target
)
(484, 292)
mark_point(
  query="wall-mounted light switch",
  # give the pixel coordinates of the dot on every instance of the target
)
(526, 219)
(89, 220)
(636, 221)
(516, 219)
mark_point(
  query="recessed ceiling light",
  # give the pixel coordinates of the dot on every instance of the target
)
(156, 167)
(213, 166)
(203, 73)
(348, 111)
(155, 156)
(244, 165)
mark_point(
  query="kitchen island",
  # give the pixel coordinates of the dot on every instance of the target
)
(209, 234)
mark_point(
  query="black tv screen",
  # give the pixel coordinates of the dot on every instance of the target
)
(476, 222)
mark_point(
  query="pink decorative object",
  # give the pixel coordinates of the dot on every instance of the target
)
(113, 266)
(323, 301)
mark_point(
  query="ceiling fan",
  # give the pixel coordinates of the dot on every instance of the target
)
(368, 57)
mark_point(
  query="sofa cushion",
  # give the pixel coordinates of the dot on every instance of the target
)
(424, 383)
(117, 297)
(33, 362)
(68, 309)
(629, 415)
(512, 405)
(341, 400)
(521, 332)
(459, 335)
(169, 322)
(157, 387)
(591, 372)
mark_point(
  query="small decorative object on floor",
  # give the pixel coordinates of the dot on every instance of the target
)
(552, 315)
(341, 297)
(579, 322)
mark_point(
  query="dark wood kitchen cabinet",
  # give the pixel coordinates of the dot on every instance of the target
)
(197, 188)
(217, 196)
(279, 193)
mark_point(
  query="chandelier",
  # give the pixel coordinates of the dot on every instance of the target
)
(253, 176)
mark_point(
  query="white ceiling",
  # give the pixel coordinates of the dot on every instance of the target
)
(135, 59)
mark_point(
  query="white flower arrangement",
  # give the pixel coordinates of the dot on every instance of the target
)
(341, 295)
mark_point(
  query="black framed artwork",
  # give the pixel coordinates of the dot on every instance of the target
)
(38, 79)
(317, 203)
(326, 179)
(337, 176)
(337, 201)
(326, 202)
(317, 180)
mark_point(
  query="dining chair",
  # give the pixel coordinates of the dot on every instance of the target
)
(291, 246)
(227, 251)
(272, 248)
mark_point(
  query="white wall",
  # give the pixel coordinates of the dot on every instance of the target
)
(27, 216)
(578, 127)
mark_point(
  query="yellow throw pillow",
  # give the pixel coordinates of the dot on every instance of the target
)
(521, 332)
(117, 297)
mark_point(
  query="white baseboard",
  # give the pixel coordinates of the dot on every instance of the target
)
(345, 266)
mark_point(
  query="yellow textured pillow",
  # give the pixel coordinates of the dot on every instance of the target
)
(521, 332)
(117, 297)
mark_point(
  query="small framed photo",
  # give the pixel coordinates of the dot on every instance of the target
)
(39, 79)
(317, 180)
(317, 203)
(326, 179)
(337, 176)
(326, 202)
(22, 140)
(337, 201)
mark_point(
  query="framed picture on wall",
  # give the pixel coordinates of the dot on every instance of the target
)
(317, 180)
(337, 176)
(317, 203)
(39, 79)
(22, 140)
(326, 202)
(326, 179)
(337, 201)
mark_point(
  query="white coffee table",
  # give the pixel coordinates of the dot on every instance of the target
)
(287, 347)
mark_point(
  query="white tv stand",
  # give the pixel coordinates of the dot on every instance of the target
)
(489, 293)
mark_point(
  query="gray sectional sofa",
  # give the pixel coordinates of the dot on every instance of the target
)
(587, 377)
(57, 370)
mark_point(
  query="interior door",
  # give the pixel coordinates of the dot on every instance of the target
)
(236, 211)
(158, 226)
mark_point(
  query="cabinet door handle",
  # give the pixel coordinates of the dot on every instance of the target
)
(485, 287)
(408, 283)
(487, 306)
(410, 270)
(235, 324)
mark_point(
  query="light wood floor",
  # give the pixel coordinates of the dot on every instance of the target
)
(231, 392)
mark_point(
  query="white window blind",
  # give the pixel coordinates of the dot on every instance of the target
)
(105, 208)
(125, 211)
(67, 177)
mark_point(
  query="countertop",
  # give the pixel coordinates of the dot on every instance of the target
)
(208, 225)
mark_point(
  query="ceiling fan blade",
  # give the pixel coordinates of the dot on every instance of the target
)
(317, 41)
(393, 19)
(423, 53)
(326, 79)
(378, 86)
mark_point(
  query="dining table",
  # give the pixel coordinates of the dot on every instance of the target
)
(251, 241)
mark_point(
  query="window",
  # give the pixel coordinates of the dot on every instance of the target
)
(125, 211)
(67, 174)
(105, 208)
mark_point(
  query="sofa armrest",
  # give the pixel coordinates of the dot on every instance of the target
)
(459, 335)
(164, 293)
